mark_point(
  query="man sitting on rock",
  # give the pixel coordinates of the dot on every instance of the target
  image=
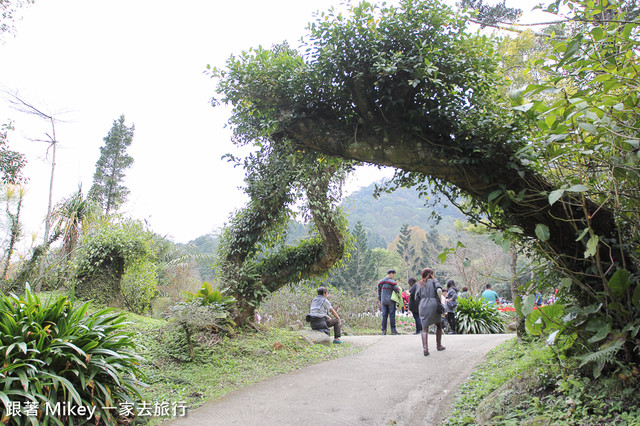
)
(319, 315)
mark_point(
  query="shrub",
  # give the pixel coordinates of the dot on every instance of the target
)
(59, 354)
(206, 295)
(104, 257)
(477, 317)
(138, 287)
(205, 314)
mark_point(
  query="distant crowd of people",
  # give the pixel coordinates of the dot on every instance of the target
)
(426, 300)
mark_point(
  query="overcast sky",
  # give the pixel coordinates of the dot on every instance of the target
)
(87, 62)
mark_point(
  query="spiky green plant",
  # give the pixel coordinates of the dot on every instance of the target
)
(206, 295)
(55, 353)
(477, 317)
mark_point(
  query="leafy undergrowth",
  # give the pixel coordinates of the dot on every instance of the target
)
(521, 383)
(220, 365)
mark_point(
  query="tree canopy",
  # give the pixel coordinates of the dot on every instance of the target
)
(409, 86)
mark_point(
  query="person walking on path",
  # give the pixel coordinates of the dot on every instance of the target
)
(451, 305)
(429, 294)
(386, 287)
(319, 315)
(490, 296)
(413, 304)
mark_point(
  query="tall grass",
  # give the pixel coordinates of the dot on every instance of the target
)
(291, 303)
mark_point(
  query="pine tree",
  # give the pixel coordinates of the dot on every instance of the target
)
(406, 250)
(108, 189)
(359, 270)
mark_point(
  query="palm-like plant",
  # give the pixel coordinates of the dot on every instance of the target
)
(477, 317)
(59, 354)
(73, 218)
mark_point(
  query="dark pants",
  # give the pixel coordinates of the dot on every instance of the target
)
(451, 317)
(323, 324)
(416, 317)
(389, 311)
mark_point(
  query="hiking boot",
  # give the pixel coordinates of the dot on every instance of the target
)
(337, 341)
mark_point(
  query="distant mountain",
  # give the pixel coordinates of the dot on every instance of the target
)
(381, 217)
(386, 215)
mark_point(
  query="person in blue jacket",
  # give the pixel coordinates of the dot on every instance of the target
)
(386, 287)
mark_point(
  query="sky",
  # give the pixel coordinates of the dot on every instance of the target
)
(87, 62)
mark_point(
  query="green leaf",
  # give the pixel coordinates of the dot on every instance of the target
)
(588, 127)
(552, 337)
(597, 33)
(524, 108)
(620, 282)
(592, 246)
(582, 234)
(527, 305)
(555, 195)
(636, 296)
(542, 231)
(494, 194)
(577, 188)
(550, 120)
(601, 328)
(517, 303)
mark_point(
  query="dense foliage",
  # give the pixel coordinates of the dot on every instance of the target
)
(409, 86)
(587, 131)
(526, 383)
(104, 258)
(59, 354)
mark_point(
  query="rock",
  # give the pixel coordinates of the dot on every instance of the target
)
(316, 337)
(513, 326)
(296, 326)
(537, 421)
(508, 395)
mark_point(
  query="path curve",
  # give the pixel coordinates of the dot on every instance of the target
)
(388, 382)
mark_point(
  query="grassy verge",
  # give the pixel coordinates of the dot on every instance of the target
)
(219, 365)
(527, 384)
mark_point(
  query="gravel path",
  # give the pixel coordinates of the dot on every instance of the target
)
(389, 382)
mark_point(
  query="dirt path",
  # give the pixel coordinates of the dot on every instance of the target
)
(389, 382)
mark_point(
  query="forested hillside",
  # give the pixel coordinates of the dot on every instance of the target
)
(385, 215)
(381, 217)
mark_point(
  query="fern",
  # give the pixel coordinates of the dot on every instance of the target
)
(605, 355)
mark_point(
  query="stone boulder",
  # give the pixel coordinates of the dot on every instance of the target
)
(315, 337)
